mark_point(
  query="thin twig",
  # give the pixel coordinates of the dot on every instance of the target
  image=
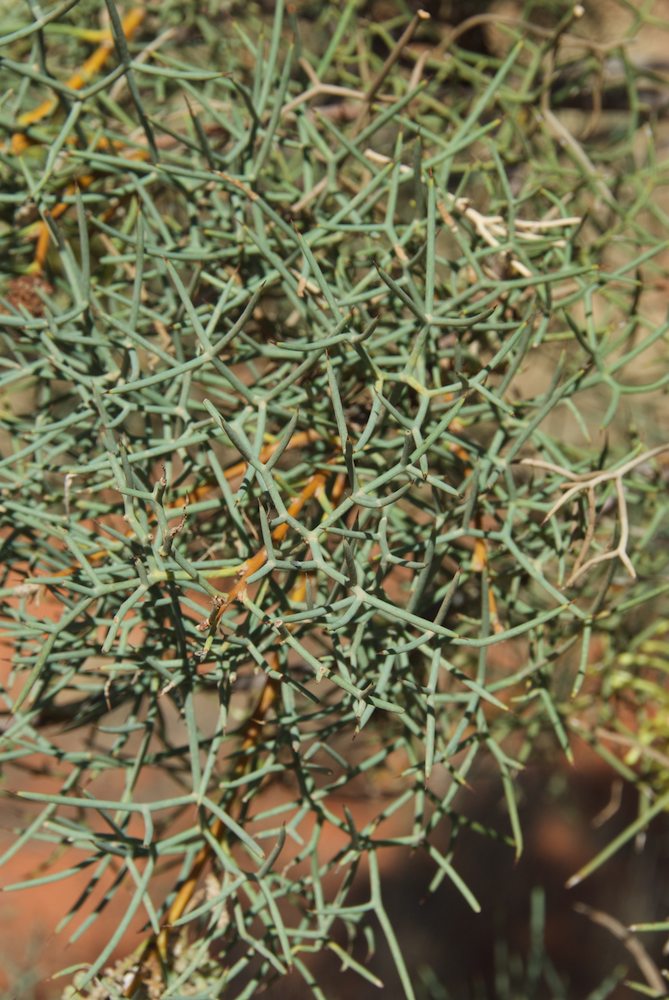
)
(396, 52)
(525, 27)
(588, 482)
(492, 229)
(90, 68)
(589, 533)
(647, 966)
(155, 949)
(641, 748)
(322, 90)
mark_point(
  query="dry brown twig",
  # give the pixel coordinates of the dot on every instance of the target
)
(588, 482)
(394, 55)
(493, 228)
(646, 965)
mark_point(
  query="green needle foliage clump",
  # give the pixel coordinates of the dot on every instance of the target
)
(309, 324)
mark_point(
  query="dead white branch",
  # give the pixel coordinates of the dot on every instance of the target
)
(587, 482)
(494, 230)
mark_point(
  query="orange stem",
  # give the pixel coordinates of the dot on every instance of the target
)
(157, 947)
(92, 66)
(252, 565)
(297, 441)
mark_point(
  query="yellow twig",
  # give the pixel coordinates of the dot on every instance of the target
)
(89, 69)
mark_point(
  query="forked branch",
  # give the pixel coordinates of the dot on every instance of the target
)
(587, 482)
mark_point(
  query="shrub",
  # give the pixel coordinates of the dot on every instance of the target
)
(330, 364)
